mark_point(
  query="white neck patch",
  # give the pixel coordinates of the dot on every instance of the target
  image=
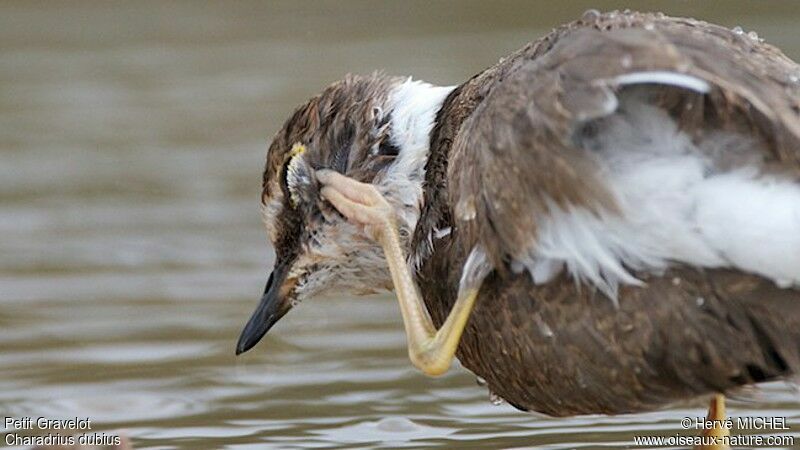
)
(413, 105)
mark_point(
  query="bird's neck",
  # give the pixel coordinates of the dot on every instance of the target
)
(413, 106)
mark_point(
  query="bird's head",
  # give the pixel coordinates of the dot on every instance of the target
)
(352, 128)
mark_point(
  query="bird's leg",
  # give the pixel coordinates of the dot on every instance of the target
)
(430, 350)
(716, 415)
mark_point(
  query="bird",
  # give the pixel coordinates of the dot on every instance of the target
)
(606, 221)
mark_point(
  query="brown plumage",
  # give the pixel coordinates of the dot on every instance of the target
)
(531, 103)
(658, 347)
(510, 148)
(342, 125)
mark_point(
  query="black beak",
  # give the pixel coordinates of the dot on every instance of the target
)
(271, 308)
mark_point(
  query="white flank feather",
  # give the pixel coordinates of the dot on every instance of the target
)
(663, 77)
(677, 207)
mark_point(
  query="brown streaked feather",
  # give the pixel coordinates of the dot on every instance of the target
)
(339, 126)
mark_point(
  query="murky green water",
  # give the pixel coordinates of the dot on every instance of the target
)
(132, 137)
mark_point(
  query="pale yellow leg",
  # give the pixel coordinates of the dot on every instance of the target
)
(716, 414)
(431, 351)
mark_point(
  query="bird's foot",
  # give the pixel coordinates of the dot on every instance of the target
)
(715, 433)
(361, 203)
(429, 349)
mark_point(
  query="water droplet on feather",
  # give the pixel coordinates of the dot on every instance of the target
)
(544, 328)
(465, 209)
(590, 15)
(495, 399)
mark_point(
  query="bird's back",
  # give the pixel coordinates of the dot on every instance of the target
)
(634, 178)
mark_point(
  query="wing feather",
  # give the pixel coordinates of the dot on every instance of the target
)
(521, 159)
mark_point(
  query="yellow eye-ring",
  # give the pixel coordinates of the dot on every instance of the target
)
(297, 149)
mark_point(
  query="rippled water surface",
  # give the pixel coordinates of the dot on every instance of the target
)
(132, 137)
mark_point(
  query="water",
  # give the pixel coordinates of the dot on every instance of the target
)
(132, 137)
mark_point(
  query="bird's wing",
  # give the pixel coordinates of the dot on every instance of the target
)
(554, 168)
